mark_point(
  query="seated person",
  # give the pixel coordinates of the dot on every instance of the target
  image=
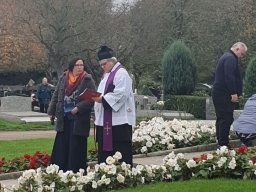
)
(245, 125)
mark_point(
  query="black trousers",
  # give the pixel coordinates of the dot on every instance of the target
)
(69, 150)
(223, 122)
(43, 107)
(122, 142)
(224, 109)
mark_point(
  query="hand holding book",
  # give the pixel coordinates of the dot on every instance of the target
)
(88, 94)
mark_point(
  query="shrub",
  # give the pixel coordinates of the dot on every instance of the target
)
(179, 71)
(250, 78)
(191, 104)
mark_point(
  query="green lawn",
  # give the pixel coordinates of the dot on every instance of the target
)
(16, 148)
(215, 185)
(13, 125)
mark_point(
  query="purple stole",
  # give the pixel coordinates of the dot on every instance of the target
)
(107, 116)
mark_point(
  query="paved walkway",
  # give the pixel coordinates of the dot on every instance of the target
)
(20, 135)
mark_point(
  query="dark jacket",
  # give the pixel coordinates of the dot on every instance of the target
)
(82, 118)
(227, 75)
(227, 82)
(44, 93)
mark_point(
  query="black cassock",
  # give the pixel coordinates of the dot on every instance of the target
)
(122, 142)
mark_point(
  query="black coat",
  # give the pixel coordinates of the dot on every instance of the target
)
(227, 82)
(82, 118)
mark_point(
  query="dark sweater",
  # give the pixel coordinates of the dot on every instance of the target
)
(227, 75)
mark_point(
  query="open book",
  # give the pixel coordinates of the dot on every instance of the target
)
(87, 94)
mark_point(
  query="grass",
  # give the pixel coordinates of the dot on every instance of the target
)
(6, 125)
(16, 148)
(225, 185)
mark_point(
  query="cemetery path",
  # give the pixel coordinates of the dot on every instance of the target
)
(20, 135)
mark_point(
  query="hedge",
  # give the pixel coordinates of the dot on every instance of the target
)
(191, 104)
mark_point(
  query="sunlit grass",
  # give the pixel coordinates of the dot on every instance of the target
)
(15, 148)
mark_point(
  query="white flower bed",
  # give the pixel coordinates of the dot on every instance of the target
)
(115, 175)
(158, 134)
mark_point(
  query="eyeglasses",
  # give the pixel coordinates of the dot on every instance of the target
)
(103, 64)
(79, 65)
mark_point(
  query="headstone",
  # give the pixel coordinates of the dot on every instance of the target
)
(15, 104)
(31, 82)
(209, 109)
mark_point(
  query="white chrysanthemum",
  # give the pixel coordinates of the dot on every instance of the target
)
(209, 156)
(117, 155)
(94, 185)
(149, 144)
(110, 160)
(221, 162)
(191, 163)
(52, 169)
(250, 162)
(222, 150)
(232, 163)
(120, 178)
(28, 173)
(73, 188)
(112, 170)
(232, 153)
(144, 149)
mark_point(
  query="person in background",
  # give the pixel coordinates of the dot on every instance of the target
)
(226, 89)
(245, 125)
(44, 95)
(114, 109)
(73, 117)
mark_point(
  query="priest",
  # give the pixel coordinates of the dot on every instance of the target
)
(114, 109)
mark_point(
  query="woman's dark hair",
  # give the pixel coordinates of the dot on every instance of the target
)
(73, 61)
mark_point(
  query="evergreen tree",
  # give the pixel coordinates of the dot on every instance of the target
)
(179, 70)
(250, 78)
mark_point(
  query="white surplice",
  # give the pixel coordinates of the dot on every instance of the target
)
(121, 99)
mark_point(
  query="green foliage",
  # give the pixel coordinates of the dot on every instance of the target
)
(179, 71)
(241, 102)
(250, 78)
(191, 104)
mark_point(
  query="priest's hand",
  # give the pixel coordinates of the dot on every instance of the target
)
(97, 99)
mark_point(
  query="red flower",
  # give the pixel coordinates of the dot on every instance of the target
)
(253, 159)
(203, 156)
(195, 158)
(26, 156)
(242, 149)
(32, 163)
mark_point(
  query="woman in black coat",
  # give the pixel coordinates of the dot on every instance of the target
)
(73, 117)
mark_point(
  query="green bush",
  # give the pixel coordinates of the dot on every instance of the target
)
(250, 78)
(190, 104)
(179, 70)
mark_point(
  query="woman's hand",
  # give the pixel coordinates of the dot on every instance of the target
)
(74, 110)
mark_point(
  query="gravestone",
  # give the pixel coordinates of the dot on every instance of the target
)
(143, 102)
(15, 104)
(210, 111)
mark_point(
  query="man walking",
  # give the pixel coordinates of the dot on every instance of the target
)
(226, 89)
